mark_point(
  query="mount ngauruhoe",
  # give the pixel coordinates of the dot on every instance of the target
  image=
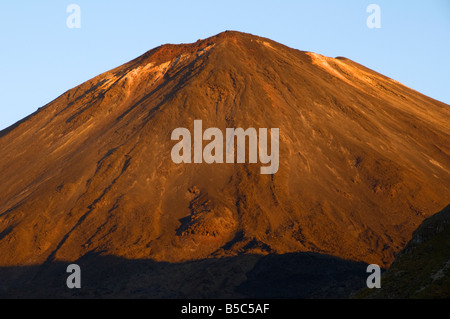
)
(363, 160)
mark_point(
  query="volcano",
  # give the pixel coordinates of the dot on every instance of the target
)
(363, 160)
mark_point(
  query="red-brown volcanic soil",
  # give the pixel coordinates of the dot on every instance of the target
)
(363, 160)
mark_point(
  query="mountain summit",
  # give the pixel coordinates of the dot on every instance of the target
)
(363, 160)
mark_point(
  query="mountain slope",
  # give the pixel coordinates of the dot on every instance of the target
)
(363, 160)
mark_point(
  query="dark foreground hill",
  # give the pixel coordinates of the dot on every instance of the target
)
(422, 268)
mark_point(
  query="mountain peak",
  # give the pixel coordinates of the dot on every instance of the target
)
(231, 34)
(92, 171)
(230, 39)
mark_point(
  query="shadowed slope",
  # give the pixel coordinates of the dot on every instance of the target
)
(294, 275)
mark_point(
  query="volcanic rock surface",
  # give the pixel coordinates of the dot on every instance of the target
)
(363, 160)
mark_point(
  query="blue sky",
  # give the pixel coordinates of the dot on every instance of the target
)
(41, 57)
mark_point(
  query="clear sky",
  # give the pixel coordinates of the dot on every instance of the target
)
(41, 58)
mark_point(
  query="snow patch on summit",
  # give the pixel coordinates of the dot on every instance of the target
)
(324, 62)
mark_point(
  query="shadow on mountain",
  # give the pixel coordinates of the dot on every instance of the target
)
(293, 275)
